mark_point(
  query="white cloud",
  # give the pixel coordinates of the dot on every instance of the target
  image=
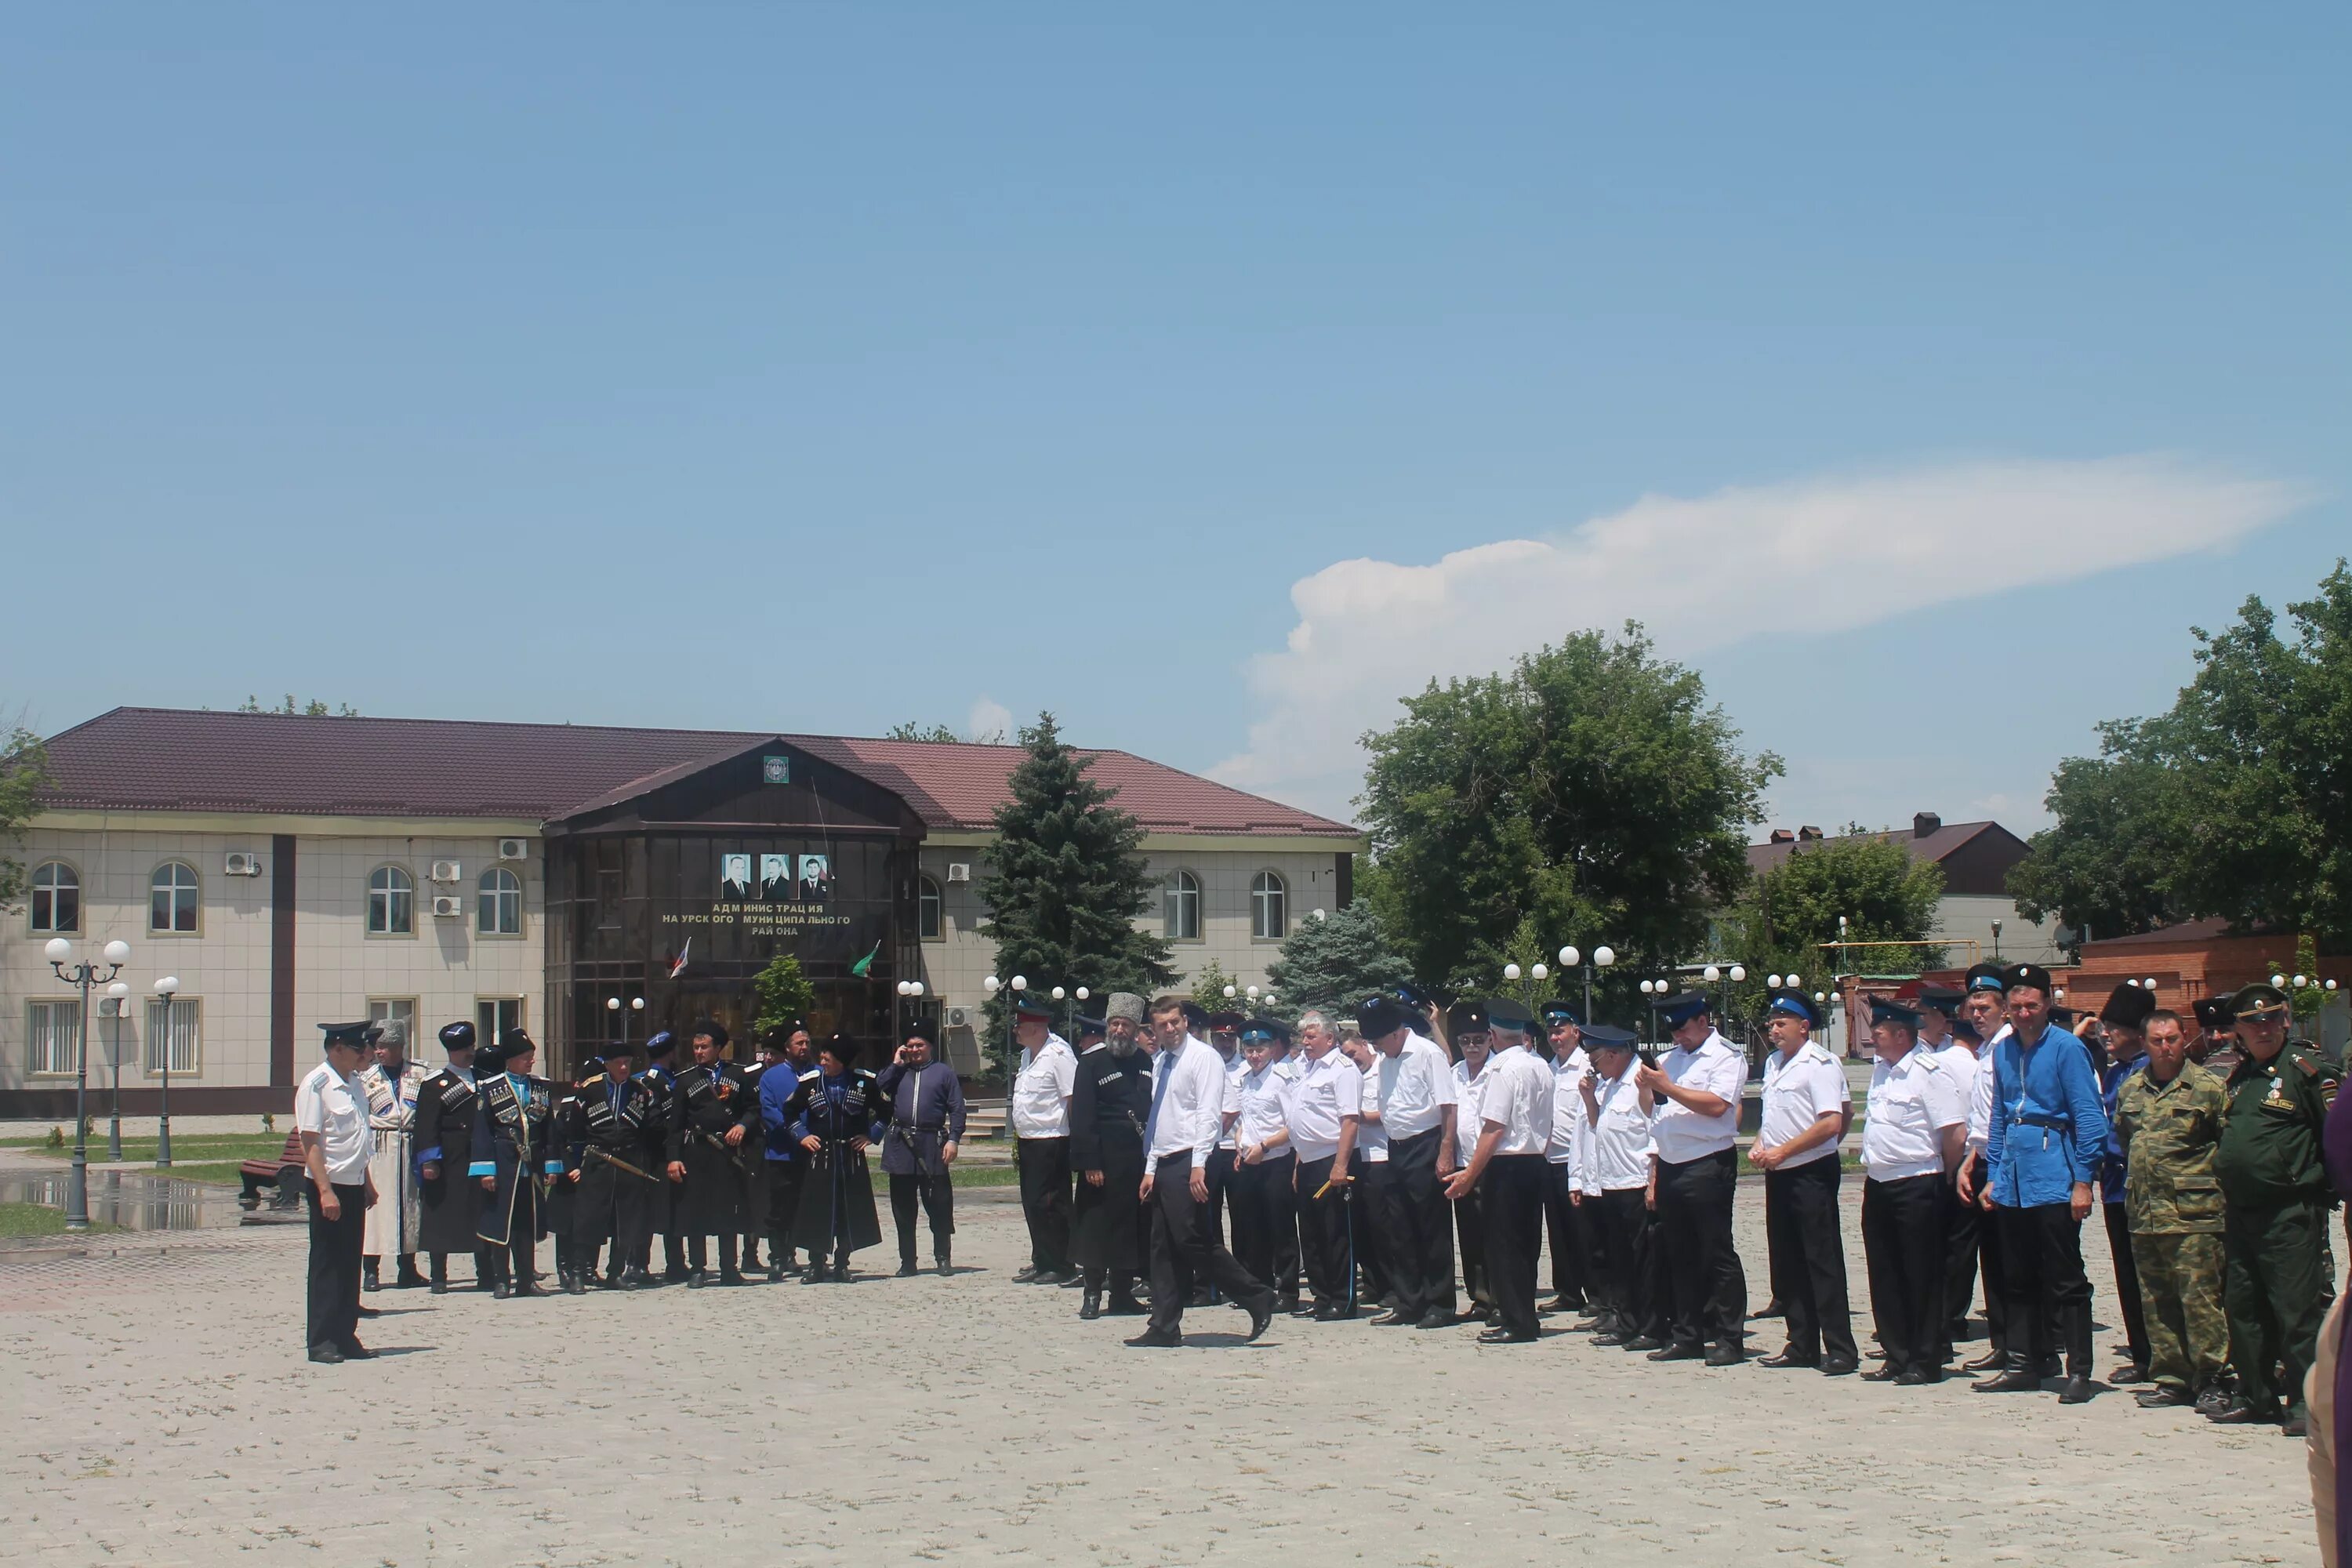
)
(1371, 631)
(987, 719)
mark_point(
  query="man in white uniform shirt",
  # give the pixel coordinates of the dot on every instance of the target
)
(1265, 1202)
(1508, 1166)
(1796, 1147)
(1984, 1002)
(1414, 1082)
(1368, 1170)
(1940, 1041)
(1912, 1139)
(1324, 1114)
(1696, 1089)
(1465, 1026)
(1621, 1178)
(1041, 1086)
(1566, 1226)
(1187, 1100)
(332, 1120)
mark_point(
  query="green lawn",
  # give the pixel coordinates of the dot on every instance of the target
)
(38, 1219)
(186, 1148)
(986, 1176)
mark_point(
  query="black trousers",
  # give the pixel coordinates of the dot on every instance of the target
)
(1220, 1189)
(1415, 1224)
(1182, 1250)
(1808, 1251)
(1903, 1239)
(334, 1315)
(938, 1200)
(2049, 1295)
(1708, 1286)
(1991, 1259)
(785, 1178)
(1514, 1202)
(517, 1262)
(1363, 1212)
(1046, 1201)
(1470, 1231)
(1326, 1240)
(2127, 1282)
(697, 1258)
(1626, 1263)
(1568, 1234)
(1963, 1241)
(1265, 1222)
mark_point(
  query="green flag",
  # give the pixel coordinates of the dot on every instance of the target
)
(864, 964)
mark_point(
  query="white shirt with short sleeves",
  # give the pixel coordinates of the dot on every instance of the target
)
(1469, 1099)
(1798, 1089)
(1258, 1095)
(1620, 1145)
(1911, 1102)
(1235, 1067)
(1717, 1069)
(1326, 1091)
(1569, 1125)
(1416, 1085)
(1980, 1092)
(1372, 1133)
(334, 1107)
(1519, 1099)
(1042, 1090)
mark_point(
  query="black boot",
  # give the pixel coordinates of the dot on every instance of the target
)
(573, 1285)
(2076, 1325)
(942, 1257)
(368, 1281)
(408, 1278)
(1090, 1304)
(440, 1274)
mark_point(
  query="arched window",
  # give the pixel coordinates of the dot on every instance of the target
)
(172, 898)
(930, 911)
(1180, 907)
(392, 902)
(498, 903)
(1269, 907)
(57, 897)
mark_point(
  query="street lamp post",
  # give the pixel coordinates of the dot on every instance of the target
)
(59, 952)
(1602, 957)
(166, 988)
(119, 993)
(1996, 942)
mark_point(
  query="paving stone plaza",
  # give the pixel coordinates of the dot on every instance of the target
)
(161, 1413)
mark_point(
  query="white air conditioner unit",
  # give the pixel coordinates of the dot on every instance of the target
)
(514, 849)
(448, 871)
(448, 907)
(243, 863)
(956, 1018)
(959, 870)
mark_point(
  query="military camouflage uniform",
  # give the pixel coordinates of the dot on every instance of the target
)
(2173, 1202)
(2278, 1286)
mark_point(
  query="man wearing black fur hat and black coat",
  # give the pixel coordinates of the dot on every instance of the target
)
(659, 1083)
(709, 1117)
(448, 1202)
(609, 1202)
(841, 1116)
(514, 1155)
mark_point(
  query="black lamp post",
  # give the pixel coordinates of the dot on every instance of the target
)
(1601, 957)
(166, 989)
(59, 952)
(119, 994)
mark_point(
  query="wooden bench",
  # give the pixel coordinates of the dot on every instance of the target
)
(284, 1176)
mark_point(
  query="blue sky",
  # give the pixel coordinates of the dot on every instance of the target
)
(1921, 377)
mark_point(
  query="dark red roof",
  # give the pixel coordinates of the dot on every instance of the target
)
(1935, 845)
(162, 759)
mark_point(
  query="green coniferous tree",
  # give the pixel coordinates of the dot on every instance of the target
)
(1066, 878)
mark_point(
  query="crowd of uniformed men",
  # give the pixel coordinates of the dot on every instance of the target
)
(1312, 1168)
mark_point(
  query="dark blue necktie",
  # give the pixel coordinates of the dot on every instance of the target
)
(1158, 1092)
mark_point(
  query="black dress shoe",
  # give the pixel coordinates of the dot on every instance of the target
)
(946, 1269)
(326, 1355)
(1025, 1276)
(1787, 1358)
(530, 1287)
(1562, 1304)
(2237, 1413)
(354, 1351)
(1676, 1352)
(2130, 1372)
(2212, 1402)
(2009, 1382)
(906, 1271)
(1157, 1340)
(409, 1279)
(1913, 1378)
(500, 1290)
(1125, 1307)
(815, 1275)
(1639, 1342)
(2296, 1425)
(1090, 1306)
(697, 1280)
(2157, 1397)
(1436, 1318)
(1326, 1312)
(2076, 1392)
(1771, 1308)
(776, 1272)
(1726, 1356)
(732, 1277)
(1839, 1366)
(440, 1287)
(1882, 1374)
(1261, 1316)
(368, 1281)
(1991, 1360)
(1506, 1337)
(575, 1286)
(1394, 1320)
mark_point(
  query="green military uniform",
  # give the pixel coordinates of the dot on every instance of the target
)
(2278, 1285)
(2172, 1202)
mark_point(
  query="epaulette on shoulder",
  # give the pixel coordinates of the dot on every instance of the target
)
(811, 1075)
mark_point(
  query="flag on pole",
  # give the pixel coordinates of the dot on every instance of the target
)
(677, 964)
(866, 962)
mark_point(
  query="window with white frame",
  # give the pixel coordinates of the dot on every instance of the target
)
(931, 916)
(57, 897)
(498, 903)
(172, 898)
(171, 1026)
(494, 1015)
(1180, 907)
(1269, 907)
(392, 902)
(53, 1036)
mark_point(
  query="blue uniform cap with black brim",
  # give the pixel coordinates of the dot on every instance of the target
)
(1556, 1013)
(1030, 1006)
(355, 1036)
(1796, 1005)
(1886, 1010)
(1504, 1013)
(1607, 1037)
(1679, 1010)
(1265, 1032)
